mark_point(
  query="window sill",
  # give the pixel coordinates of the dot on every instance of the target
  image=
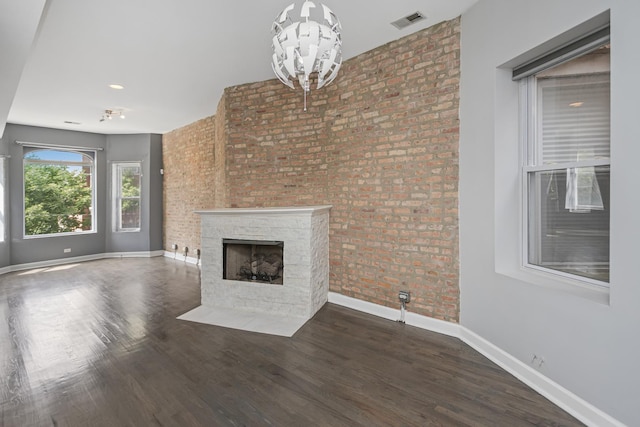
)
(44, 236)
(594, 293)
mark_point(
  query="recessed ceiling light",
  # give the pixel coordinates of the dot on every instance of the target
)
(116, 86)
(576, 104)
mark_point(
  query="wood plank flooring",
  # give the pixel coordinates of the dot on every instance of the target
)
(98, 344)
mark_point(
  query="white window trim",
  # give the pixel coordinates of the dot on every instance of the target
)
(509, 240)
(115, 197)
(509, 155)
(530, 149)
(3, 192)
(94, 183)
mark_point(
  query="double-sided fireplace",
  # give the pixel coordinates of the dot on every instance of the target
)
(259, 261)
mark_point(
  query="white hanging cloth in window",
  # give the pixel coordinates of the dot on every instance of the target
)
(583, 191)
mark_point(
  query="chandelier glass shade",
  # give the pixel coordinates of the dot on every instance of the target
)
(306, 46)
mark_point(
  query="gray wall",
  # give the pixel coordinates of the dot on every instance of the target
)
(142, 147)
(46, 248)
(146, 149)
(155, 193)
(4, 238)
(589, 343)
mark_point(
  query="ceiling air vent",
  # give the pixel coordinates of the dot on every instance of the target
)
(408, 20)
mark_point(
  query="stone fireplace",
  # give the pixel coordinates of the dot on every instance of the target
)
(241, 269)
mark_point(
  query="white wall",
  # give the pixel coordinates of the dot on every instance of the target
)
(19, 22)
(590, 345)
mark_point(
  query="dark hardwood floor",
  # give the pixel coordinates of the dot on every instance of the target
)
(98, 344)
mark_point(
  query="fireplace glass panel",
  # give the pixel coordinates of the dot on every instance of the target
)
(253, 261)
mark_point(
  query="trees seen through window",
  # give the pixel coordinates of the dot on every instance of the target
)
(58, 192)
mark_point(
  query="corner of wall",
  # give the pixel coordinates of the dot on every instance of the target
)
(220, 153)
(189, 181)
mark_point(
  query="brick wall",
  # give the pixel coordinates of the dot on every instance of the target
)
(189, 168)
(380, 144)
(276, 152)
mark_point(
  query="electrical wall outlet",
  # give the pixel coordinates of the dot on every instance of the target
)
(67, 250)
(404, 296)
(537, 361)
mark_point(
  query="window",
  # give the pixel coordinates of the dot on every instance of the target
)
(126, 196)
(58, 191)
(2, 209)
(565, 112)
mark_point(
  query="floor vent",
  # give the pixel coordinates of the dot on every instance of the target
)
(408, 20)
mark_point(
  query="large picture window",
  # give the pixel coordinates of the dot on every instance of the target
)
(566, 114)
(127, 180)
(58, 191)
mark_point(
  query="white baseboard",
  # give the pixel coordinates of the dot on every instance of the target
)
(54, 262)
(179, 257)
(72, 260)
(560, 396)
(141, 254)
(565, 399)
(413, 319)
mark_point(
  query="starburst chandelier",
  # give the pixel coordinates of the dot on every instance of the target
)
(305, 47)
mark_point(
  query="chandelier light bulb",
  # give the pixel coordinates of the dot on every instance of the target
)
(305, 47)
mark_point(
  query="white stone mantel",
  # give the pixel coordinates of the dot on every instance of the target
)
(290, 210)
(305, 233)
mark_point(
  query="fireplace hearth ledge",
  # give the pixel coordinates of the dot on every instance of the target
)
(238, 304)
(245, 320)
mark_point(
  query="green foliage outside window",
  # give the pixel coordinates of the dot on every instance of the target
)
(129, 195)
(131, 182)
(57, 199)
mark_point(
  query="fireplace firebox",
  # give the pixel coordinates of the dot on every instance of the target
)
(258, 261)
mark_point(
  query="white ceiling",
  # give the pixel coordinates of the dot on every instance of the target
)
(174, 57)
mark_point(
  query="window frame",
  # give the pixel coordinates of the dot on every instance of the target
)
(531, 162)
(3, 194)
(116, 196)
(84, 151)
